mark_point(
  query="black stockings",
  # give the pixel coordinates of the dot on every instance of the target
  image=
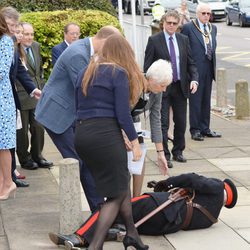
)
(107, 215)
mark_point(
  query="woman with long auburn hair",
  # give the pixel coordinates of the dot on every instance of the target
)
(105, 93)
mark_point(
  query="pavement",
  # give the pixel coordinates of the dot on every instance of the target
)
(26, 220)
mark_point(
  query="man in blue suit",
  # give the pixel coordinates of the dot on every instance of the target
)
(202, 38)
(18, 71)
(71, 34)
(56, 107)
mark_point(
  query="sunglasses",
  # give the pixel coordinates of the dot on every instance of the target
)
(205, 13)
(171, 23)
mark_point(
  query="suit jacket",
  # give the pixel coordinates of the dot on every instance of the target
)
(18, 71)
(56, 108)
(158, 49)
(198, 46)
(36, 75)
(57, 51)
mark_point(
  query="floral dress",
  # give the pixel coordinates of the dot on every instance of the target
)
(7, 104)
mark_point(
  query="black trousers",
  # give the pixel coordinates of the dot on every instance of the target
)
(36, 139)
(175, 99)
(200, 102)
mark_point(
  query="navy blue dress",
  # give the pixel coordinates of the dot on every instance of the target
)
(100, 117)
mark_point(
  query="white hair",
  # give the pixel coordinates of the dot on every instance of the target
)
(202, 6)
(160, 71)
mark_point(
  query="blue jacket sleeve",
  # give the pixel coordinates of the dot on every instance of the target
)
(122, 107)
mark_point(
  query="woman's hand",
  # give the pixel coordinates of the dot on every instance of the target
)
(127, 142)
(136, 150)
(162, 163)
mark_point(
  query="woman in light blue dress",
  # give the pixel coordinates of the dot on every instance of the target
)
(7, 113)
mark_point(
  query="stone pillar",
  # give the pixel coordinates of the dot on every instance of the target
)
(221, 88)
(69, 196)
(241, 99)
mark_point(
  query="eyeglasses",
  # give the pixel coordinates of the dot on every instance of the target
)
(74, 33)
(171, 23)
(205, 13)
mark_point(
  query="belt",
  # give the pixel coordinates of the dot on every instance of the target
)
(189, 214)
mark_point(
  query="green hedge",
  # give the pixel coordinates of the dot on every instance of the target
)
(48, 27)
(51, 5)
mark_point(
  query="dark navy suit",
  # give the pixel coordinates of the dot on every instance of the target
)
(58, 50)
(200, 102)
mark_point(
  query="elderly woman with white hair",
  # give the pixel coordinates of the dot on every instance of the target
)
(158, 80)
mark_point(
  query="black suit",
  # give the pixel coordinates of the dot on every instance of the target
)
(200, 102)
(178, 92)
(28, 105)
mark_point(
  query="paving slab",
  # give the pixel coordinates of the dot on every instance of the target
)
(154, 242)
(242, 177)
(245, 233)
(38, 240)
(217, 237)
(238, 217)
(4, 243)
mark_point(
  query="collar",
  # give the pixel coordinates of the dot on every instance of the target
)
(66, 42)
(91, 46)
(201, 25)
(167, 36)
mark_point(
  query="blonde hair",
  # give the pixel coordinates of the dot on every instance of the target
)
(117, 52)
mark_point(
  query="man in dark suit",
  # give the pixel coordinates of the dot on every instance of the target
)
(71, 34)
(202, 38)
(200, 209)
(173, 47)
(34, 65)
(18, 71)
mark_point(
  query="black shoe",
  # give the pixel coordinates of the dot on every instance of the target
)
(197, 136)
(21, 183)
(29, 165)
(42, 163)
(211, 134)
(129, 241)
(179, 158)
(115, 234)
(60, 239)
(170, 164)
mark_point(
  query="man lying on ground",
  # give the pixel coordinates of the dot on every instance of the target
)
(198, 208)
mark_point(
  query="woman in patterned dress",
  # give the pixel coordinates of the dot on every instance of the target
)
(7, 113)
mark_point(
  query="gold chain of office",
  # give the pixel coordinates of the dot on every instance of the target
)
(205, 35)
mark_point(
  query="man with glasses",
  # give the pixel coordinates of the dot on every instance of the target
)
(71, 34)
(174, 47)
(202, 38)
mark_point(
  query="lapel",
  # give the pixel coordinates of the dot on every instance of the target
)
(197, 33)
(164, 47)
(180, 46)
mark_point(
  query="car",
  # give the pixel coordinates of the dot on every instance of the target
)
(171, 4)
(147, 6)
(217, 8)
(238, 11)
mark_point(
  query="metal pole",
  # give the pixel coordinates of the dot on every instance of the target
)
(120, 12)
(142, 12)
(134, 27)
